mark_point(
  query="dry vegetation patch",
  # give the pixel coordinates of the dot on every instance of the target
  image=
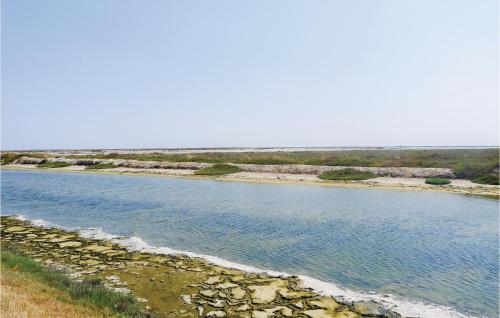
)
(23, 296)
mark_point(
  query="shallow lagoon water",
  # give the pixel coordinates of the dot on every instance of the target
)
(428, 247)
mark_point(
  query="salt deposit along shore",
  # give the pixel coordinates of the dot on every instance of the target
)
(399, 179)
(177, 285)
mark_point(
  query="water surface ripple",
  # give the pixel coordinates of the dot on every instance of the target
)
(423, 246)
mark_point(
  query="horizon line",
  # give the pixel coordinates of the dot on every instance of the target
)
(249, 148)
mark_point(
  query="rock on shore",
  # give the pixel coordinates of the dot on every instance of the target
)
(178, 285)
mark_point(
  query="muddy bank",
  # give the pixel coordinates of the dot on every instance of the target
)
(178, 285)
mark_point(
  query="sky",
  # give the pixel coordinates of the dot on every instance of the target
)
(150, 74)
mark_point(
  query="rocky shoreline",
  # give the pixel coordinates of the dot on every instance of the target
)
(178, 285)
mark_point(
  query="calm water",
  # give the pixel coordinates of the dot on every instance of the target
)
(422, 246)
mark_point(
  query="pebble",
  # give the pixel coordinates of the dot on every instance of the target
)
(216, 314)
(217, 303)
(212, 280)
(245, 307)
(186, 299)
(208, 293)
(238, 293)
(299, 304)
(226, 286)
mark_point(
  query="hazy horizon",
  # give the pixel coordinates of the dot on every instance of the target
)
(169, 74)
(267, 148)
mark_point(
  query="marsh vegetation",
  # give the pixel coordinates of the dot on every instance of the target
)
(346, 174)
(478, 165)
(100, 166)
(53, 165)
(437, 181)
(217, 170)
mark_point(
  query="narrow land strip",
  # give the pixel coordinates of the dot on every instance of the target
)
(393, 183)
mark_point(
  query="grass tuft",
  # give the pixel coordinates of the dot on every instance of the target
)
(346, 174)
(437, 181)
(101, 166)
(487, 178)
(53, 165)
(90, 292)
(217, 170)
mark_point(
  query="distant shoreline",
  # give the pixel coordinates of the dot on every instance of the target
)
(388, 183)
(195, 150)
(477, 164)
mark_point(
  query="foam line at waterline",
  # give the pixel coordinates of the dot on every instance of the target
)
(405, 307)
(135, 243)
(41, 223)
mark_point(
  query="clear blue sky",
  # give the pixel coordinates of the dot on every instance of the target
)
(117, 73)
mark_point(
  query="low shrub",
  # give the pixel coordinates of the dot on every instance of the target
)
(100, 166)
(9, 157)
(489, 178)
(53, 165)
(217, 170)
(437, 181)
(347, 174)
(478, 172)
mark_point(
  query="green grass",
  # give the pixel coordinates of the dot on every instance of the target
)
(485, 171)
(346, 174)
(486, 178)
(101, 166)
(90, 292)
(53, 165)
(437, 181)
(217, 170)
